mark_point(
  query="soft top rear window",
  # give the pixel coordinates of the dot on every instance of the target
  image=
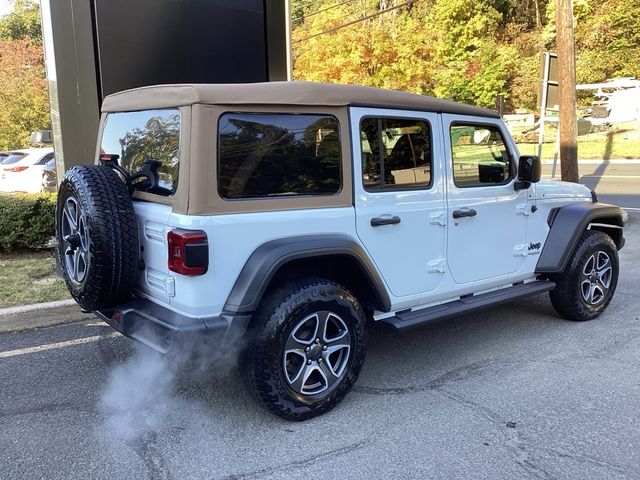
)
(269, 154)
(146, 139)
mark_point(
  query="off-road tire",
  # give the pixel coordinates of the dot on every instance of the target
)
(566, 297)
(280, 312)
(111, 243)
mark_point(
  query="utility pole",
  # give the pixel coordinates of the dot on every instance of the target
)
(567, 91)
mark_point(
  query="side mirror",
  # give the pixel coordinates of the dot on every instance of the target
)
(529, 171)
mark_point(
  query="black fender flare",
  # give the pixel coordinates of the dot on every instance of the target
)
(567, 224)
(269, 257)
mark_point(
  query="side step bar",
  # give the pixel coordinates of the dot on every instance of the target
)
(407, 320)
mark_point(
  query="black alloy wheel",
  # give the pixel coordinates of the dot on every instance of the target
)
(316, 353)
(587, 285)
(306, 349)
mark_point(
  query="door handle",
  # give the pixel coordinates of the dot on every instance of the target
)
(466, 212)
(378, 221)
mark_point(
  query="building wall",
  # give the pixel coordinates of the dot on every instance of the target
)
(97, 47)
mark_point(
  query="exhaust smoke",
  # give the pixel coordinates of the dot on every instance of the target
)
(141, 393)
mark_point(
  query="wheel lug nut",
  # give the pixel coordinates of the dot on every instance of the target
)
(307, 349)
(317, 340)
(308, 362)
(319, 360)
(324, 348)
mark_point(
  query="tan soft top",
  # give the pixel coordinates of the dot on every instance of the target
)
(280, 93)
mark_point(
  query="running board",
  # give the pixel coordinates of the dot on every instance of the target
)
(411, 319)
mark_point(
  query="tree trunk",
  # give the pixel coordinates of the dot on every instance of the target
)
(567, 90)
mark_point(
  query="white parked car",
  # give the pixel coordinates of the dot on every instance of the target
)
(283, 217)
(22, 170)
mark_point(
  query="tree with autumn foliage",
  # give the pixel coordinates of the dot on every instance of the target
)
(466, 50)
(22, 22)
(24, 102)
(389, 51)
(442, 48)
(469, 66)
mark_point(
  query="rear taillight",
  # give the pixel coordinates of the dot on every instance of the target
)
(16, 169)
(188, 252)
(109, 157)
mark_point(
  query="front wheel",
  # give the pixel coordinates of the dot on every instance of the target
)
(307, 348)
(585, 289)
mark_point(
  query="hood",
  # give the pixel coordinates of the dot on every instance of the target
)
(546, 189)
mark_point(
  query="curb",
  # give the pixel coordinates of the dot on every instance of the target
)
(617, 161)
(30, 317)
(35, 306)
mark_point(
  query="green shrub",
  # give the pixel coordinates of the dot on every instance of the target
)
(27, 221)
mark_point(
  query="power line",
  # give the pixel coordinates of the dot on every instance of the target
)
(349, 16)
(353, 22)
(308, 5)
(307, 15)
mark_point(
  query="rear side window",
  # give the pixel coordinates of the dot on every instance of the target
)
(146, 137)
(480, 156)
(266, 155)
(396, 153)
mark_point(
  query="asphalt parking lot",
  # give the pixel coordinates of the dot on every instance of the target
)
(513, 392)
(615, 181)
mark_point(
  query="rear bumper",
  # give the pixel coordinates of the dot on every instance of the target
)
(163, 329)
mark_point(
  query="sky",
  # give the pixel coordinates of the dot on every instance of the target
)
(5, 6)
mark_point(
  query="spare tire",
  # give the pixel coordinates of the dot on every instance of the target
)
(98, 245)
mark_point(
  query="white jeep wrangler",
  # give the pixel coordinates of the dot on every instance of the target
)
(285, 216)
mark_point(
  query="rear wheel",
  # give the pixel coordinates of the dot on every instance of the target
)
(307, 348)
(585, 289)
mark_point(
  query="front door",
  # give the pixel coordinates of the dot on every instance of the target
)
(486, 215)
(399, 196)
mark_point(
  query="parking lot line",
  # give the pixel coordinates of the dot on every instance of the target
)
(35, 306)
(53, 346)
(610, 176)
(629, 177)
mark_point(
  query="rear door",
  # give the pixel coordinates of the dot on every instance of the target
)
(486, 214)
(30, 179)
(399, 196)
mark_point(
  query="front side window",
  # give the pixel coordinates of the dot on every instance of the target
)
(269, 155)
(396, 153)
(480, 156)
(148, 139)
(45, 159)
